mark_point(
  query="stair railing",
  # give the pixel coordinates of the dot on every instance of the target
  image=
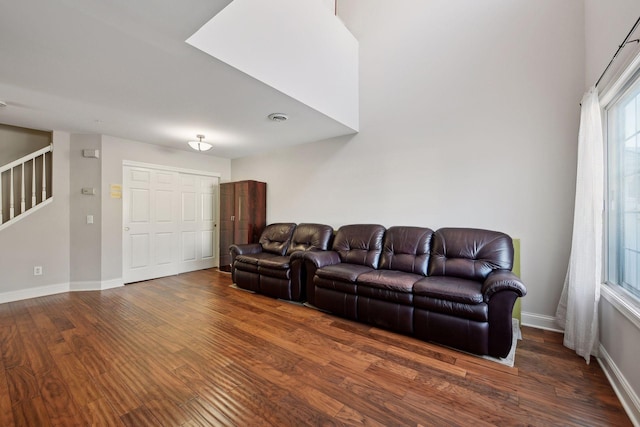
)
(28, 185)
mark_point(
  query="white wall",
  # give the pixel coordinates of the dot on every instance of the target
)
(114, 152)
(42, 238)
(606, 25)
(469, 117)
(85, 238)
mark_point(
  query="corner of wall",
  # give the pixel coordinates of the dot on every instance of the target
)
(540, 321)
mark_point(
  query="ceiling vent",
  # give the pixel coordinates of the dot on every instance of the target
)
(278, 117)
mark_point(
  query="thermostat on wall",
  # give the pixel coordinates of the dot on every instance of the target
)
(92, 154)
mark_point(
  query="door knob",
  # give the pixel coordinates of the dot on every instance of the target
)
(126, 229)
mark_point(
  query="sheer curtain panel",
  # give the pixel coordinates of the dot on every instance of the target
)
(577, 310)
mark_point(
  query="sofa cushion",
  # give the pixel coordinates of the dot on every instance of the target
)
(397, 281)
(336, 287)
(359, 244)
(385, 294)
(243, 266)
(278, 273)
(406, 249)
(307, 237)
(253, 258)
(275, 262)
(477, 312)
(275, 238)
(342, 272)
(469, 253)
(450, 289)
(388, 285)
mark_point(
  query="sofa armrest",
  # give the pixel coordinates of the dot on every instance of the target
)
(251, 248)
(312, 261)
(502, 280)
(321, 259)
(501, 288)
(235, 250)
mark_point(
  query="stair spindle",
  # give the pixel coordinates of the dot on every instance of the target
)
(23, 205)
(33, 183)
(15, 202)
(1, 201)
(44, 177)
(11, 208)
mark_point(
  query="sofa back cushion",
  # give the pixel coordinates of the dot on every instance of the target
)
(469, 253)
(275, 238)
(309, 237)
(359, 244)
(406, 249)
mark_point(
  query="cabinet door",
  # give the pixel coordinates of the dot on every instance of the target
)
(226, 223)
(258, 203)
(250, 211)
(242, 223)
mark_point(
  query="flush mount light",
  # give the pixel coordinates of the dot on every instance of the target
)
(199, 145)
(278, 117)
(3, 104)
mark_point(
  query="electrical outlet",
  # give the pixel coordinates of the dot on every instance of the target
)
(37, 270)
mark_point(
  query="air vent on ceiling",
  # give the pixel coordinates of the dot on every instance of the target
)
(278, 117)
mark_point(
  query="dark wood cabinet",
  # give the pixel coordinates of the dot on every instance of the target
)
(243, 215)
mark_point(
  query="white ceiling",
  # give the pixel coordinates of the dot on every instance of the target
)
(122, 68)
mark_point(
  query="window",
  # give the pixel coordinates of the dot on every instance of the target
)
(623, 189)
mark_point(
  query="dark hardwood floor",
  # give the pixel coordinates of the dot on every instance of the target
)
(190, 350)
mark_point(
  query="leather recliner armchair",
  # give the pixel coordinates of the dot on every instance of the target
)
(279, 274)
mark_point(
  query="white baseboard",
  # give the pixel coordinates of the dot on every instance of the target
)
(95, 285)
(44, 291)
(41, 291)
(623, 390)
(110, 284)
(84, 285)
(540, 321)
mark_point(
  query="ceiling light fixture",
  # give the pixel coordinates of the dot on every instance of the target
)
(278, 117)
(199, 145)
(3, 104)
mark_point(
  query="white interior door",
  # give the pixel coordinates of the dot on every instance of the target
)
(169, 222)
(198, 198)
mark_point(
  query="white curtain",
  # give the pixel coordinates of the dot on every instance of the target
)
(577, 311)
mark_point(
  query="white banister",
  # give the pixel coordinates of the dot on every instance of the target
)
(44, 177)
(11, 211)
(8, 198)
(33, 182)
(23, 205)
(26, 158)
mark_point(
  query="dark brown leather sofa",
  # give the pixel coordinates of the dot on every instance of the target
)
(268, 267)
(453, 286)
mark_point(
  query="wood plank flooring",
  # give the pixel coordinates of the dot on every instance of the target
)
(189, 350)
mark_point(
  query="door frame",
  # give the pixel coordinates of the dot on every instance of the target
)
(165, 168)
